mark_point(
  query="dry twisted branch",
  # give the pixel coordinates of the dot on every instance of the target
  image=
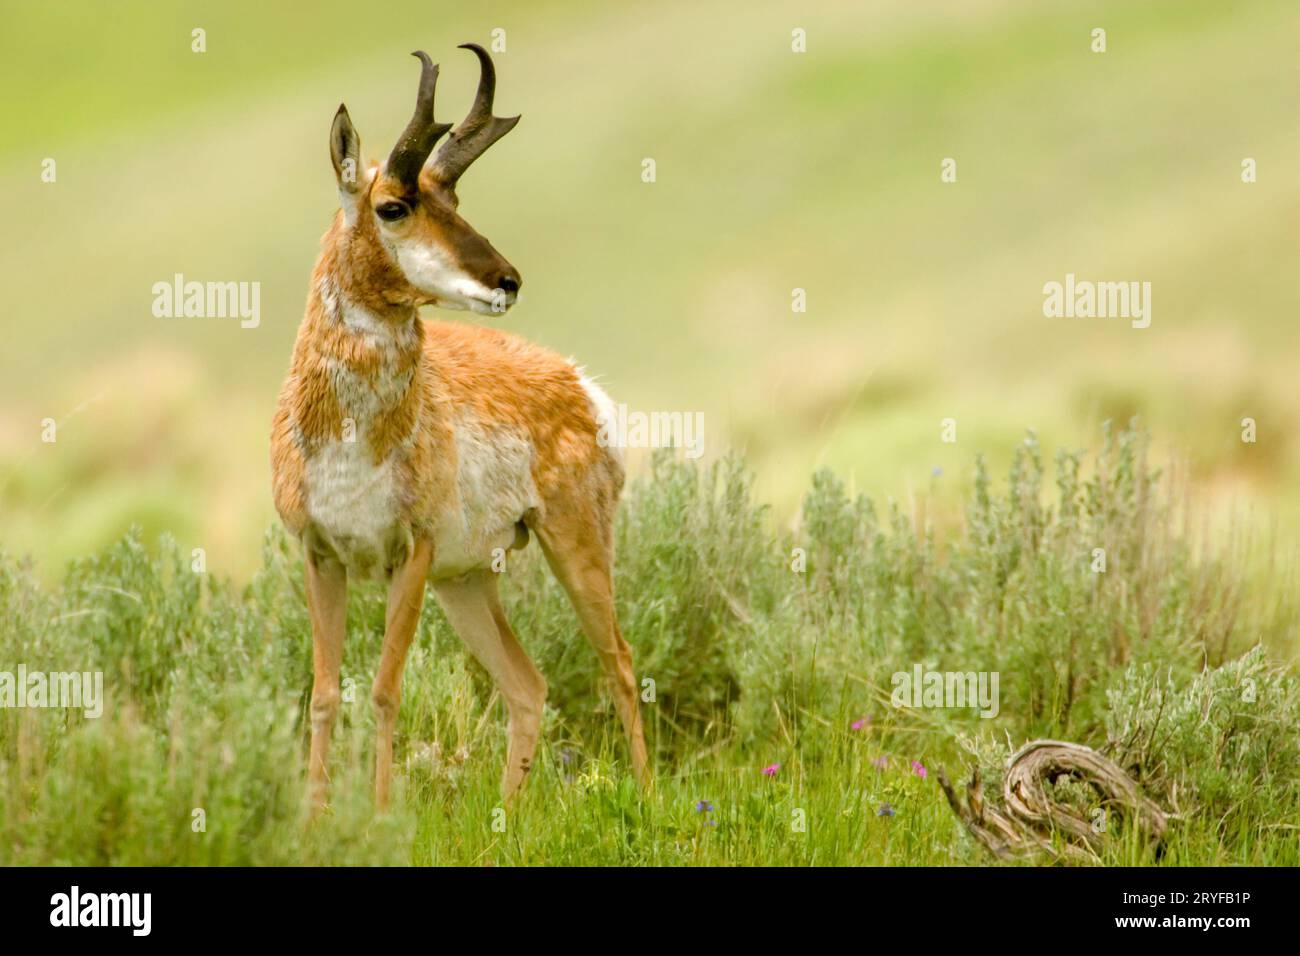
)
(1029, 816)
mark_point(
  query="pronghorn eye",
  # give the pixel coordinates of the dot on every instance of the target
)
(392, 211)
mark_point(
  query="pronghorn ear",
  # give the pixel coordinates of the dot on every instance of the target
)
(345, 153)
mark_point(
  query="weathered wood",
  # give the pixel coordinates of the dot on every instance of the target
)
(1027, 820)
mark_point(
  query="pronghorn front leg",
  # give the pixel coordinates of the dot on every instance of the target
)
(405, 598)
(327, 604)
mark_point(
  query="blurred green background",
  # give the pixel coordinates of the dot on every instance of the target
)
(775, 170)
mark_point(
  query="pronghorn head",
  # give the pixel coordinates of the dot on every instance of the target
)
(403, 232)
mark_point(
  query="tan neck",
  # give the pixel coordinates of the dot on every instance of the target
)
(360, 366)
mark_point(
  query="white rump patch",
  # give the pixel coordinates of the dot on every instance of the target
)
(602, 406)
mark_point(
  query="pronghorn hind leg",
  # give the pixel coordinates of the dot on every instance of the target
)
(473, 607)
(405, 598)
(582, 557)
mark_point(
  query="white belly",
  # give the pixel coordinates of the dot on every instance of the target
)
(494, 488)
(353, 503)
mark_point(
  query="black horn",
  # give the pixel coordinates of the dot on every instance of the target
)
(479, 130)
(417, 140)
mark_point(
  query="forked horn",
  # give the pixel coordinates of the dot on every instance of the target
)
(479, 130)
(417, 140)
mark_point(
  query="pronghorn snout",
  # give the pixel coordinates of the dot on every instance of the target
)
(497, 277)
(508, 283)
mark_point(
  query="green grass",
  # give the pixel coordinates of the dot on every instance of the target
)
(1175, 659)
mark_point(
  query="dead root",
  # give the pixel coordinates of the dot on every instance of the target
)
(1031, 821)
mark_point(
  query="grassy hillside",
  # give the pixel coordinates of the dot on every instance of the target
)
(776, 171)
(772, 731)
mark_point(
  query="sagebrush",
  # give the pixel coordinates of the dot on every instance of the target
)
(761, 646)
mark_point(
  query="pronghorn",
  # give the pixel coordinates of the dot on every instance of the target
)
(413, 450)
